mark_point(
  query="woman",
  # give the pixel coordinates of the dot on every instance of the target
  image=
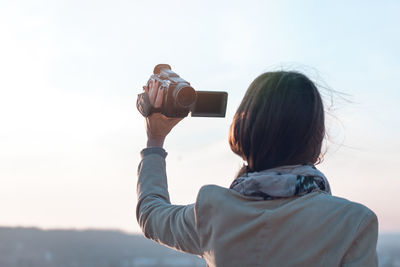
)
(279, 210)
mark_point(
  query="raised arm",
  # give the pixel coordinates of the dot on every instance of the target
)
(171, 225)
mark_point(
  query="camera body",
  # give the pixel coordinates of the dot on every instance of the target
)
(180, 98)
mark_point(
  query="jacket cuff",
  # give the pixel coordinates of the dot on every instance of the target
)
(154, 150)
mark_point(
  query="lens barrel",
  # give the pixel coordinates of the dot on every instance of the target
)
(184, 95)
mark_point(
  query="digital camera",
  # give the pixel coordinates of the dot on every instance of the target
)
(180, 98)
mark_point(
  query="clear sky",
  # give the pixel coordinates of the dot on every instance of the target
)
(70, 71)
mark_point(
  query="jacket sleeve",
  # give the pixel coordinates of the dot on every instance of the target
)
(362, 252)
(172, 225)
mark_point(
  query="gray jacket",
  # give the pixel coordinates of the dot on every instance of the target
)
(229, 229)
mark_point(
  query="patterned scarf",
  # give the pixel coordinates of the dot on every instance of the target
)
(281, 182)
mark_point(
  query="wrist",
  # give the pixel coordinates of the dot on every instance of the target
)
(155, 141)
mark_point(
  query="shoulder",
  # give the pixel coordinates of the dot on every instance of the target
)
(343, 204)
(213, 198)
(212, 189)
(208, 194)
(211, 193)
(349, 214)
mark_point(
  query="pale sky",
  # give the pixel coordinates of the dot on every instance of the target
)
(70, 71)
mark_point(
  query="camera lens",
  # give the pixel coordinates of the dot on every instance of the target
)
(185, 96)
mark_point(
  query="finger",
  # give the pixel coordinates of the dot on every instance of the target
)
(153, 92)
(146, 89)
(159, 99)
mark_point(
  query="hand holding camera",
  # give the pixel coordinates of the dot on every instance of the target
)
(157, 125)
(168, 99)
(179, 98)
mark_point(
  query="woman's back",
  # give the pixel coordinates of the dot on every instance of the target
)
(313, 230)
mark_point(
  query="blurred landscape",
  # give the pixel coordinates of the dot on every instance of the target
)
(33, 247)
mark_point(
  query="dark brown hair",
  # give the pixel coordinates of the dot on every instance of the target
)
(280, 121)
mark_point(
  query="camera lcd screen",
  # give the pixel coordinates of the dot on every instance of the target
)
(210, 104)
